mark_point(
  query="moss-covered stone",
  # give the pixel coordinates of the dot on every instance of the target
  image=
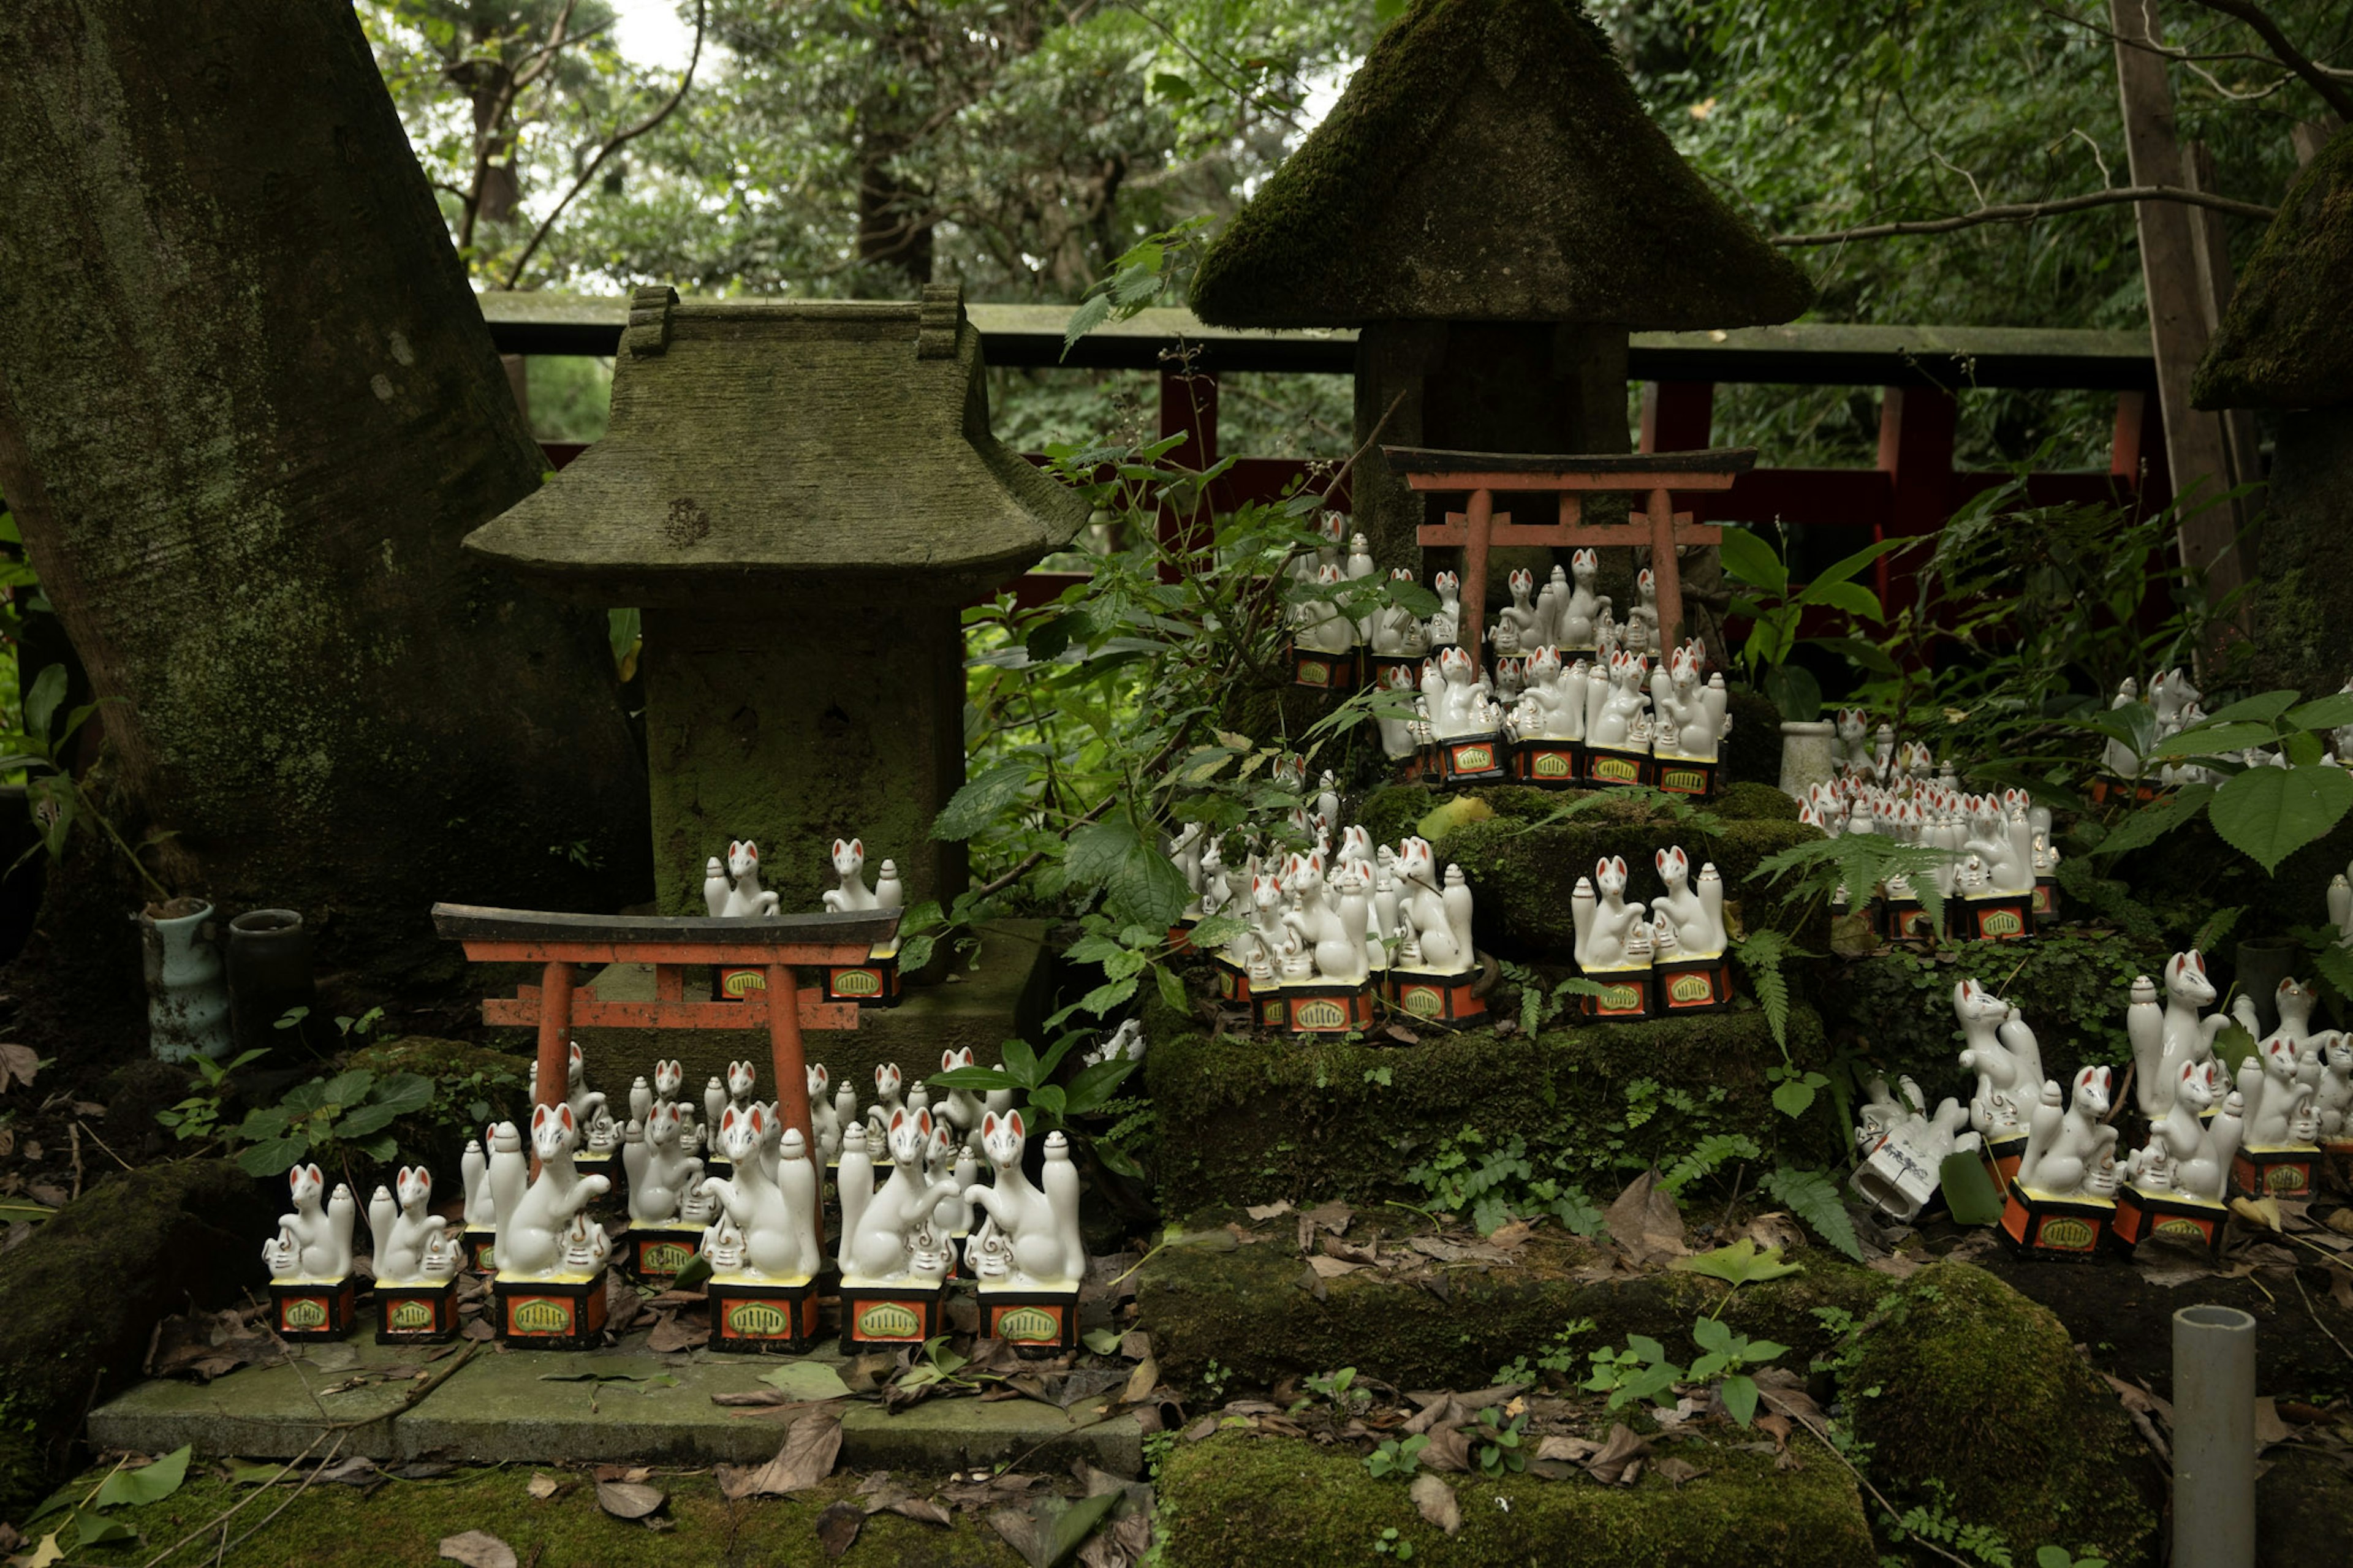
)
(1237, 1500)
(402, 1526)
(2284, 341)
(1983, 1406)
(1246, 1120)
(2300, 638)
(1490, 161)
(81, 1298)
(1252, 1310)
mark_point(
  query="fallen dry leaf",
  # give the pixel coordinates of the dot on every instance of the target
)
(838, 1526)
(1140, 1381)
(1508, 1236)
(1678, 1470)
(2340, 1221)
(2139, 1400)
(2341, 1290)
(477, 1548)
(18, 1063)
(806, 1459)
(1774, 1229)
(1572, 1450)
(1619, 1456)
(1334, 1217)
(1331, 1268)
(1274, 1210)
(543, 1486)
(1784, 1393)
(628, 1499)
(927, 1509)
(1436, 1500)
(2269, 1427)
(677, 1331)
(1778, 1426)
(1644, 1222)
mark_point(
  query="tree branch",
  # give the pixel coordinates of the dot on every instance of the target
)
(614, 143)
(2332, 91)
(2028, 212)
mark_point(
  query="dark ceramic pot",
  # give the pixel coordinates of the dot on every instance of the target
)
(268, 973)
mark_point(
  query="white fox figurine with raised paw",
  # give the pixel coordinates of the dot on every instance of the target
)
(879, 1228)
(662, 1174)
(2071, 1153)
(774, 1213)
(1580, 616)
(744, 894)
(2333, 1098)
(583, 1101)
(1607, 926)
(412, 1245)
(533, 1214)
(2003, 1053)
(1694, 914)
(851, 892)
(824, 1118)
(2184, 1154)
(2275, 1098)
(1446, 627)
(313, 1242)
(1030, 1240)
(2165, 1040)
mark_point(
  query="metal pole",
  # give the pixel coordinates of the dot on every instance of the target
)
(2213, 1437)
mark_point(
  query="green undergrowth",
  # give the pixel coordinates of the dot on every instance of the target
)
(1246, 1120)
(397, 1524)
(1252, 1310)
(1236, 1499)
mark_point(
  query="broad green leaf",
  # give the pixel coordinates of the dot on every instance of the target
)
(274, 1157)
(1796, 693)
(363, 1121)
(1019, 1060)
(979, 1080)
(807, 1380)
(1711, 1335)
(697, 1270)
(2323, 712)
(1646, 1347)
(2154, 820)
(1738, 1264)
(2262, 707)
(2213, 739)
(1093, 1086)
(1092, 312)
(90, 1530)
(1172, 989)
(1739, 1392)
(152, 1483)
(981, 801)
(1793, 1098)
(1853, 597)
(1749, 559)
(1970, 1192)
(1049, 1099)
(41, 703)
(347, 1088)
(2269, 814)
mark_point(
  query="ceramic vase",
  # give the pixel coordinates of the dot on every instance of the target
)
(1808, 757)
(187, 991)
(269, 974)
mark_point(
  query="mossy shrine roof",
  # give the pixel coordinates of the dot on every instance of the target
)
(1491, 162)
(759, 446)
(2286, 340)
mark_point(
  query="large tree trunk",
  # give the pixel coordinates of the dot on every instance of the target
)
(247, 410)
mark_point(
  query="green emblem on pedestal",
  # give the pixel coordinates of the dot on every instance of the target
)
(889, 1321)
(1029, 1326)
(758, 1320)
(307, 1313)
(539, 1315)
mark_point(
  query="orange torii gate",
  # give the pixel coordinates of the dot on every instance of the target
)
(1572, 476)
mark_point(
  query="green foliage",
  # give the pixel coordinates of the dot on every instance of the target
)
(327, 1120)
(1761, 953)
(198, 1118)
(58, 798)
(1052, 1107)
(1738, 1264)
(1640, 1370)
(1496, 1443)
(84, 1524)
(1497, 1184)
(1558, 1358)
(1775, 605)
(1397, 1457)
(1711, 1154)
(1815, 1198)
(1389, 1543)
(1339, 1389)
(2266, 812)
(1854, 865)
(1725, 1360)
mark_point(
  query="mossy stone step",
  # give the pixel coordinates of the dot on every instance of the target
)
(1247, 1119)
(536, 1406)
(1252, 1310)
(1238, 1499)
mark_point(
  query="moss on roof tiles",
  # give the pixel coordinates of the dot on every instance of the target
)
(761, 444)
(2286, 340)
(1491, 162)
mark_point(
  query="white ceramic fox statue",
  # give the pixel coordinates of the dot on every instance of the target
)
(2003, 1053)
(744, 894)
(775, 1215)
(534, 1215)
(313, 1242)
(825, 1119)
(2071, 1153)
(412, 1246)
(1695, 914)
(662, 1174)
(1031, 1237)
(879, 1227)
(851, 892)
(2165, 1041)
(2184, 1154)
(584, 1102)
(1580, 617)
(1606, 925)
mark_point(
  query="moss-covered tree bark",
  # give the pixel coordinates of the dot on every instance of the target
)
(247, 410)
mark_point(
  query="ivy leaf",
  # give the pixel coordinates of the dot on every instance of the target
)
(2269, 814)
(1794, 1098)
(1739, 1392)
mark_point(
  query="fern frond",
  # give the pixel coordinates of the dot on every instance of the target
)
(1760, 954)
(1814, 1198)
(1714, 1152)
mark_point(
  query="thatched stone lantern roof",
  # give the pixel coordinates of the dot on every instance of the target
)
(798, 446)
(801, 496)
(1491, 162)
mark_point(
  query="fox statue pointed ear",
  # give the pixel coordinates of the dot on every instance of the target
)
(539, 1114)
(1013, 1120)
(896, 1118)
(564, 1111)
(924, 1122)
(759, 1120)
(857, 847)
(988, 1123)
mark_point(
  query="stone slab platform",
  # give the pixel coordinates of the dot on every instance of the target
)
(504, 1406)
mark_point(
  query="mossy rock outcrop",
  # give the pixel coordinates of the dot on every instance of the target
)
(1252, 1310)
(1983, 1406)
(1247, 1119)
(80, 1300)
(1238, 1499)
(1523, 860)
